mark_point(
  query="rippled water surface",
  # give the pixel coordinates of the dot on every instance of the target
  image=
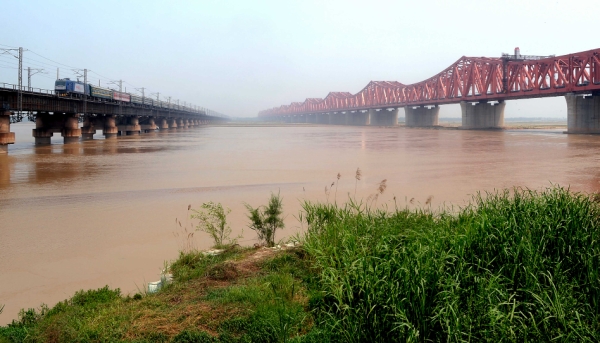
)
(104, 211)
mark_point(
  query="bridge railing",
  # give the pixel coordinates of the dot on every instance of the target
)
(27, 89)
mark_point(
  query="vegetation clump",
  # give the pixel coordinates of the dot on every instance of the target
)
(265, 220)
(517, 266)
(212, 219)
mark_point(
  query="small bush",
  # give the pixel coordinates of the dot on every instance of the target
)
(94, 297)
(213, 220)
(265, 220)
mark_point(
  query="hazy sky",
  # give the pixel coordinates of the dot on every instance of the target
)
(240, 57)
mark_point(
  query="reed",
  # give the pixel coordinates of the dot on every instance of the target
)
(514, 266)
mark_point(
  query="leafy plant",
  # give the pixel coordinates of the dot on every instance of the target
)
(213, 220)
(265, 220)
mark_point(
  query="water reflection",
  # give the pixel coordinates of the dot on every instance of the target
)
(7, 163)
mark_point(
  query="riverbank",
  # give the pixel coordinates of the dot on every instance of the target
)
(512, 266)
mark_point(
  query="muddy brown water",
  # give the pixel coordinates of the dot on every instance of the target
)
(107, 212)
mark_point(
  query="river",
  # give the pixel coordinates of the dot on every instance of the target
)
(107, 212)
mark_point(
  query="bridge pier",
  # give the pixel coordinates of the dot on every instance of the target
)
(482, 115)
(383, 117)
(132, 126)
(109, 127)
(148, 125)
(71, 132)
(311, 118)
(359, 118)
(583, 113)
(88, 129)
(180, 123)
(421, 116)
(172, 123)
(162, 124)
(322, 118)
(43, 131)
(6, 137)
(337, 118)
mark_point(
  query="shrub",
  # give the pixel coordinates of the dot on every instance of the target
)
(213, 220)
(265, 220)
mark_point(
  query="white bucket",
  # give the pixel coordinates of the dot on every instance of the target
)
(153, 287)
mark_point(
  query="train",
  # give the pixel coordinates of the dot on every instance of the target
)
(68, 87)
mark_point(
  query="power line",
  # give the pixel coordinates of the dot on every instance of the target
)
(46, 58)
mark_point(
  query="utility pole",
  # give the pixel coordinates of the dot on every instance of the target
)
(20, 96)
(57, 77)
(20, 90)
(85, 87)
(30, 73)
(143, 93)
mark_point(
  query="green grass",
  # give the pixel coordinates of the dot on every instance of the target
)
(518, 266)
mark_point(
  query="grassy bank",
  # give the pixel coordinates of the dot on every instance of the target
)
(512, 267)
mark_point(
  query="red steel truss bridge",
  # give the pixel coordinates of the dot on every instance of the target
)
(468, 80)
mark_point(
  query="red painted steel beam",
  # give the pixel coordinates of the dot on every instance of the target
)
(468, 79)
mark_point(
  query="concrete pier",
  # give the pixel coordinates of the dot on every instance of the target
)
(337, 118)
(43, 132)
(359, 118)
(421, 116)
(148, 125)
(172, 123)
(482, 115)
(311, 118)
(180, 124)
(71, 132)
(6, 137)
(383, 117)
(583, 113)
(109, 127)
(132, 126)
(88, 129)
(322, 118)
(162, 124)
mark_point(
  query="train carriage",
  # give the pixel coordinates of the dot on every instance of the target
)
(136, 99)
(120, 96)
(103, 93)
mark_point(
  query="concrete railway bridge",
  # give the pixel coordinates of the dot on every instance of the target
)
(481, 85)
(53, 114)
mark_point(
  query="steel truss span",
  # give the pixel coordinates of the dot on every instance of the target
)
(470, 79)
